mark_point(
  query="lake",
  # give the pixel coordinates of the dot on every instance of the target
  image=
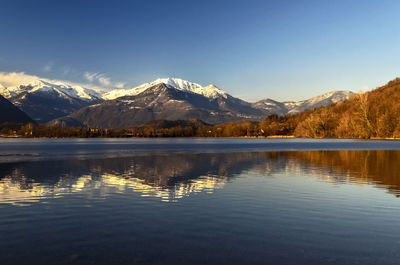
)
(199, 201)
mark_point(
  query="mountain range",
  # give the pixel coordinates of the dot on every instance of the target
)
(45, 101)
(168, 98)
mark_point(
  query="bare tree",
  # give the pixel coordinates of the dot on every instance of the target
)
(364, 108)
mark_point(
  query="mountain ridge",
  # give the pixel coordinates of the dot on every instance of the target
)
(294, 107)
(45, 100)
(165, 102)
(210, 91)
(161, 102)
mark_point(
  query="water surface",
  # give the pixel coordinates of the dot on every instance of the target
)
(196, 205)
(46, 149)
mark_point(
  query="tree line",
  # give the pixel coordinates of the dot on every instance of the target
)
(234, 129)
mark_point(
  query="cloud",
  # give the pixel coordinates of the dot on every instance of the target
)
(15, 79)
(105, 81)
(90, 76)
(48, 67)
(102, 79)
(119, 85)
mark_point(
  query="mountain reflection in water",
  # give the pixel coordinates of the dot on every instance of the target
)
(171, 177)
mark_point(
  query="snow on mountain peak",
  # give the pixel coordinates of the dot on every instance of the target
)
(293, 107)
(41, 85)
(209, 91)
(318, 101)
(333, 96)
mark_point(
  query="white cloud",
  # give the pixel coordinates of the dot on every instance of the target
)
(102, 79)
(15, 79)
(105, 81)
(90, 76)
(119, 85)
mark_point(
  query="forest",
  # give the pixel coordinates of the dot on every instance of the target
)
(373, 114)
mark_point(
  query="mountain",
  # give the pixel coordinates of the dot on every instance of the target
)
(318, 101)
(268, 106)
(45, 100)
(271, 106)
(164, 98)
(209, 91)
(293, 107)
(162, 101)
(10, 113)
(177, 99)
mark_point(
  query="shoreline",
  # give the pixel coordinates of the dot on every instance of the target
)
(202, 137)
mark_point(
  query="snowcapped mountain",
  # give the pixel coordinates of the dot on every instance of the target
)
(164, 98)
(158, 102)
(161, 101)
(209, 91)
(212, 92)
(271, 106)
(183, 100)
(318, 101)
(62, 89)
(45, 100)
(293, 107)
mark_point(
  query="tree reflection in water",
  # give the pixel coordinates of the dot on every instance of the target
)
(171, 177)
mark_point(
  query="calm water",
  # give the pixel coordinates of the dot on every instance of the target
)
(199, 201)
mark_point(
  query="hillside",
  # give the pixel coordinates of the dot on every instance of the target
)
(365, 115)
(11, 114)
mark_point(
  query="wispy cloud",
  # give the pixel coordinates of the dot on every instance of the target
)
(48, 67)
(105, 81)
(101, 79)
(90, 76)
(120, 85)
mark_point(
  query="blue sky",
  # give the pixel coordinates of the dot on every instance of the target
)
(285, 50)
